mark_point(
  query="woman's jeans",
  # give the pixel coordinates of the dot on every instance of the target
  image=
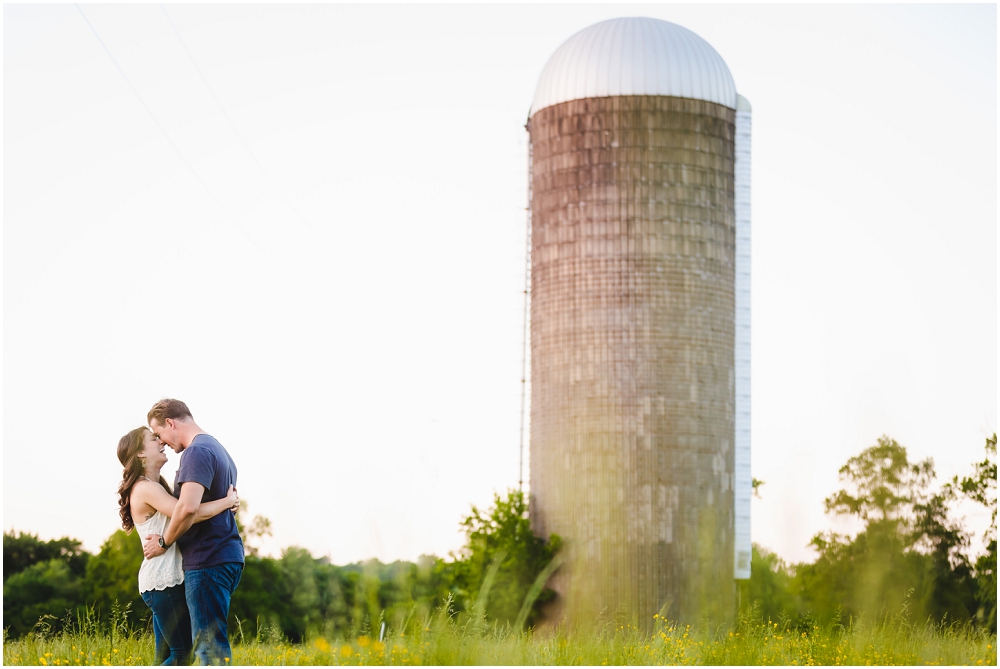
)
(208, 593)
(171, 625)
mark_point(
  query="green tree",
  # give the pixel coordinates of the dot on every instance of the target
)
(113, 577)
(951, 585)
(909, 552)
(981, 487)
(871, 575)
(299, 594)
(769, 590)
(23, 550)
(43, 589)
(335, 598)
(882, 485)
(500, 541)
(252, 530)
(298, 570)
(261, 600)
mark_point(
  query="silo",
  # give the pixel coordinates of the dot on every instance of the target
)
(633, 323)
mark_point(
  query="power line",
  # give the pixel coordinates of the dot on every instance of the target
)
(170, 141)
(229, 120)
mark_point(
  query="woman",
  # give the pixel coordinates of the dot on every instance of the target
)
(144, 496)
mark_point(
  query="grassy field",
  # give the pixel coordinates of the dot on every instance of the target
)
(443, 641)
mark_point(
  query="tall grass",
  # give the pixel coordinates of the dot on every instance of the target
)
(443, 639)
(82, 640)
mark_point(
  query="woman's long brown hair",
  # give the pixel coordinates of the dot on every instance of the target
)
(129, 448)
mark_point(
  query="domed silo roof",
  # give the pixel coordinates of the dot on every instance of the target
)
(635, 56)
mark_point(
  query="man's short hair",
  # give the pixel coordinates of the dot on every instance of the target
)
(164, 409)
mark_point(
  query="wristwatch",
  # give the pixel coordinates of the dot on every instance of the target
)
(163, 545)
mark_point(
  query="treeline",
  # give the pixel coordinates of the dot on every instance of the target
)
(58, 582)
(911, 553)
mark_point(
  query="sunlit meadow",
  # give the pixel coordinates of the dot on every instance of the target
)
(445, 640)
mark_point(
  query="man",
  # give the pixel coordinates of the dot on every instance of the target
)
(211, 551)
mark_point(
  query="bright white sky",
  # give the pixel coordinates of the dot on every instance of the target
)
(310, 228)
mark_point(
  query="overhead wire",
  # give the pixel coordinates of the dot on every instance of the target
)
(229, 120)
(177, 150)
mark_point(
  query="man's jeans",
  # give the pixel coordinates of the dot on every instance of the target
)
(171, 625)
(208, 593)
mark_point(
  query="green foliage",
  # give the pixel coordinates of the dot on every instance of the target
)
(23, 550)
(43, 590)
(501, 538)
(882, 483)
(112, 578)
(769, 589)
(58, 589)
(986, 582)
(251, 530)
(260, 601)
(402, 594)
(874, 573)
(981, 487)
(299, 574)
(909, 553)
(298, 596)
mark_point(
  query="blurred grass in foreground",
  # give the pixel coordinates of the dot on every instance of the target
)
(443, 640)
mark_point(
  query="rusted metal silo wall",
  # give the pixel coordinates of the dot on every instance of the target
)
(632, 363)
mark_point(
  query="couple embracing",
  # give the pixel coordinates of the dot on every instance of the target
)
(193, 554)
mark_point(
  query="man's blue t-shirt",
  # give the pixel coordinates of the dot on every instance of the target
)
(216, 540)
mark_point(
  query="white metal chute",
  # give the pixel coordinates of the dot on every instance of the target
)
(743, 485)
